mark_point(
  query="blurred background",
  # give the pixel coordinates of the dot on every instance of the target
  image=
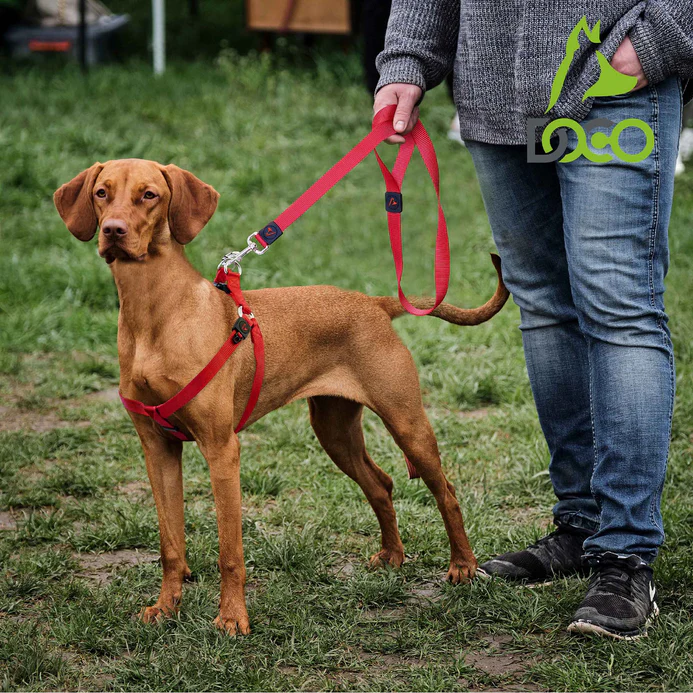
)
(258, 99)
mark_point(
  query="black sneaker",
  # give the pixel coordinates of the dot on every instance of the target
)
(557, 554)
(620, 601)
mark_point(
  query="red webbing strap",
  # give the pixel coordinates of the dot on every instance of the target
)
(201, 380)
(151, 411)
(382, 129)
(259, 347)
(329, 179)
(393, 183)
(233, 282)
(161, 412)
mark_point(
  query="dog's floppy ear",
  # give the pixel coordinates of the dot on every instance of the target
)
(192, 203)
(75, 204)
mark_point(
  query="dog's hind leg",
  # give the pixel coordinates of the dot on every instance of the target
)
(163, 460)
(337, 424)
(398, 403)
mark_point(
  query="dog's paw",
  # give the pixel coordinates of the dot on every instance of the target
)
(233, 626)
(460, 573)
(387, 557)
(155, 614)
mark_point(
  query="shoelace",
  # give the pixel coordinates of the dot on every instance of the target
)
(548, 543)
(614, 578)
(545, 540)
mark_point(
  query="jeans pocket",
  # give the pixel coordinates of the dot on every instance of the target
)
(619, 97)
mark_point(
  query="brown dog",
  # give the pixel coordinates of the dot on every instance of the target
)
(172, 321)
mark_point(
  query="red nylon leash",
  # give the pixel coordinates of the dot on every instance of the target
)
(382, 129)
(230, 281)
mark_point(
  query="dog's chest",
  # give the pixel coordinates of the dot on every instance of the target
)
(152, 372)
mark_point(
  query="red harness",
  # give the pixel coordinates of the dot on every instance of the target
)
(230, 281)
(244, 326)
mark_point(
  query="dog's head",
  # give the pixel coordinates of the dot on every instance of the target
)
(139, 206)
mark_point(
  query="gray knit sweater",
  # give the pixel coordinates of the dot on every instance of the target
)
(505, 53)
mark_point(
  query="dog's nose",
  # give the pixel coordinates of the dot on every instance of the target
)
(114, 228)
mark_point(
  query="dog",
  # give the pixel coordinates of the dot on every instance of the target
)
(335, 348)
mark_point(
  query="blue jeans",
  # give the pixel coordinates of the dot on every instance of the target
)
(585, 252)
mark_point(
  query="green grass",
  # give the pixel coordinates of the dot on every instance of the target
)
(261, 130)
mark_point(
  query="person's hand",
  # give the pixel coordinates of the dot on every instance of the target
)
(405, 96)
(626, 61)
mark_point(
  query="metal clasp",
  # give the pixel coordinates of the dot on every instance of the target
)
(235, 256)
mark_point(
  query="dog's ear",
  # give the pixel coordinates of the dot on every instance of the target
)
(192, 203)
(75, 204)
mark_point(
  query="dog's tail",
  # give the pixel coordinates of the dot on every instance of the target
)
(450, 313)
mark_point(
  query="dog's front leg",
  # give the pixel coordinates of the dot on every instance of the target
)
(163, 459)
(225, 470)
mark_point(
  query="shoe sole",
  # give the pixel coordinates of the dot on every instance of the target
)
(588, 628)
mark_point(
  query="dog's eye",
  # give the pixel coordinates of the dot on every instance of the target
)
(149, 195)
(101, 193)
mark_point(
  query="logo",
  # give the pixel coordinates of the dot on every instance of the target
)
(611, 82)
(393, 202)
(270, 233)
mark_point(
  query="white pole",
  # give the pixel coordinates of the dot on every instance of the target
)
(159, 36)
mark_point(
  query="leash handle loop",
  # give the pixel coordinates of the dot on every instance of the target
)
(382, 129)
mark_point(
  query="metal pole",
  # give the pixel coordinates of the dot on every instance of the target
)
(83, 34)
(159, 36)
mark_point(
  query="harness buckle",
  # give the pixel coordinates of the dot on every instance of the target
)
(242, 330)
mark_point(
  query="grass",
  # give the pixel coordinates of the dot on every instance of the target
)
(261, 130)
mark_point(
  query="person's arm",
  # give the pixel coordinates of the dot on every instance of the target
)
(663, 39)
(420, 47)
(420, 43)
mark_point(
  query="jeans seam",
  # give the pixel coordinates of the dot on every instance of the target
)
(666, 343)
(594, 437)
(655, 204)
(670, 418)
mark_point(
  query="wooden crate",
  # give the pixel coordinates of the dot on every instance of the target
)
(314, 16)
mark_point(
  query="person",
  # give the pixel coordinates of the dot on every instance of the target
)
(585, 254)
(373, 24)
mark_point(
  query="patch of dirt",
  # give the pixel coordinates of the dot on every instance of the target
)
(7, 522)
(391, 661)
(109, 395)
(495, 661)
(428, 591)
(134, 490)
(495, 664)
(45, 419)
(100, 568)
(12, 419)
(344, 569)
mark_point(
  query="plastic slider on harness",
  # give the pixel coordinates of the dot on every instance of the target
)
(393, 202)
(241, 330)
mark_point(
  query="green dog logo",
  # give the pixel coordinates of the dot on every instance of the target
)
(611, 82)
